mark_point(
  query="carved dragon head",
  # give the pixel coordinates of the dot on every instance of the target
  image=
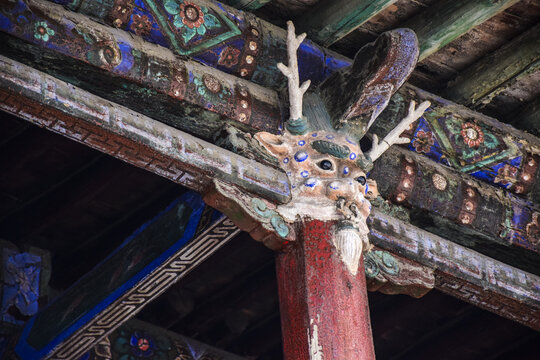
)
(327, 169)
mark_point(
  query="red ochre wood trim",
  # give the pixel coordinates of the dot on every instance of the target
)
(324, 308)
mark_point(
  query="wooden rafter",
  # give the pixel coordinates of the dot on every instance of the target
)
(480, 83)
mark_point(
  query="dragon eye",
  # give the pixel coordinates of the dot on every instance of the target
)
(326, 165)
(361, 180)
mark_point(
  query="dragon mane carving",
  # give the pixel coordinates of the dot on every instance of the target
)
(327, 170)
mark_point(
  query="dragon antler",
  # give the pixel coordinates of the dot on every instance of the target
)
(296, 91)
(394, 136)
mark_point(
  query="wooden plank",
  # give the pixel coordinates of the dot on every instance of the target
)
(485, 282)
(447, 20)
(130, 136)
(481, 82)
(329, 21)
(146, 77)
(152, 259)
(152, 341)
(529, 118)
(319, 294)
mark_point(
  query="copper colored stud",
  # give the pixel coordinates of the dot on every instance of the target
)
(244, 104)
(117, 22)
(255, 32)
(468, 206)
(243, 117)
(531, 162)
(409, 170)
(526, 177)
(249, 59)
(465, 219)
(252, 45)
(470, 192)
(243, 72)
(439, 182)
(400, 197)
(406, 184)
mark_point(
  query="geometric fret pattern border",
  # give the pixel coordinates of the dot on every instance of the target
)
(154, 284)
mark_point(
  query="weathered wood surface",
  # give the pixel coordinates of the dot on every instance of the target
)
(143, 340)
(481, 82)
(329, 21)
(42, 100)
(447, 20)
(529, 119)
(317, 292)
(130, 136)
(507, 291)
(153, 258)
(147, 77)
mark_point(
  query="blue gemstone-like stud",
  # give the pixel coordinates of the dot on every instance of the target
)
(301, 143)
(304, 173)
(300, 156)
(352, 156)
(346, 170)
(350, 141)
(310, 182)
(367, 188)
(330, 136)
(286, 160)
(314, 134)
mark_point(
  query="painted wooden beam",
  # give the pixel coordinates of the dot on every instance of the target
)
(317, 292)
(233, 41)
(329, 21)
(461, 272)
(446, 20)
(144, 76)
(139, 338)
(481, 82)
(130, 136)
(115, 130)
(153, 258)
(468, 142)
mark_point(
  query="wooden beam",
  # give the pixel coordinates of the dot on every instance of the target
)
(481, 82)
(461, 272)
(468, 142)
(156, 256)
(115, 130)
(150, 340)
(446, 20)
(329, 21)
(248, 5)
(130, 136)
(317, 292)
(138, 74)
(240, 50)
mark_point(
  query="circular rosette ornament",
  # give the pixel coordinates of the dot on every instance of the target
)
(190, 18)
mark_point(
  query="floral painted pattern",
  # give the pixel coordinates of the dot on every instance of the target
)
(190, 18)
(211, 89)
(506, 175)
(423, 142)
(472, 135)
(229, 57)
(42, 31)
(141, 25)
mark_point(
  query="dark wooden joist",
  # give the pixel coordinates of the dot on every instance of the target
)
(329, 21)
(158, 148)
(152, 259)
(481, 82)
(447, 20)
(529, 118)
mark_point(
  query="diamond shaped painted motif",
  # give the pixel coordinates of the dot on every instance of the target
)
(192, 27)
(468, 146)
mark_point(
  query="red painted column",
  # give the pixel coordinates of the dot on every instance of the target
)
(324, 307)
